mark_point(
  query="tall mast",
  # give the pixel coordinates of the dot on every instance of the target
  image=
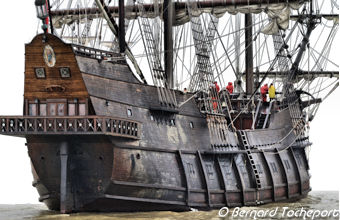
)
(249, 54)
(50, 16)
(115, 29)
(168, 42)
(121, 31)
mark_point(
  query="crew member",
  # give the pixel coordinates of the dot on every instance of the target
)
(230, 88)
(264, 92)
(214, 90)
(217, 87)
(271, 92)
(185, 91)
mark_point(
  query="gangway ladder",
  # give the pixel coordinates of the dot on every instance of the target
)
(256, 114)
(268, 113)
(263, 119)
(245, 144)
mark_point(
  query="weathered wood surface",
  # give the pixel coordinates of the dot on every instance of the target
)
(36, 88)
(137, 95)
(106, 69)
(171, 167)
(137, 175)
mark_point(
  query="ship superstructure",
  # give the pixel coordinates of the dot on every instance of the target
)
(121, 112)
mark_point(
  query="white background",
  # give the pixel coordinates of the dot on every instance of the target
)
(18, 25)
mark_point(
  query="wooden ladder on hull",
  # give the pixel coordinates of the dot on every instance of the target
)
(245, 144)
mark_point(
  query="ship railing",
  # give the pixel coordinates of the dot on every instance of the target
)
(69, 125)
(96, 53)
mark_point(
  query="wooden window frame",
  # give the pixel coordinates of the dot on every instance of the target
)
(37, 102)
(64, 67)
(35, 73)
(56, 101)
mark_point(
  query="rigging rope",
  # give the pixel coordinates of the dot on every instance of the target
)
(204, 78)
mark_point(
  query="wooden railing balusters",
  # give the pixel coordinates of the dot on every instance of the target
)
(21, 126)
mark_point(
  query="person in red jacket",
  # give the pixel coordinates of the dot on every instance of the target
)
(264, 92)
(217, 87)
(230, 87)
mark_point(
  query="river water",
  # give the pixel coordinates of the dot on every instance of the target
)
(317, 203)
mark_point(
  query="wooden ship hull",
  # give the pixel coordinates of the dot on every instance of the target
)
(98, 141)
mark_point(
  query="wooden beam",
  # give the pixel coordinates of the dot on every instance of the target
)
(182, 165)
(222, 179)
(249, 54)
(134, 11)
(271, 176)
(297, 169)
(206, 183)
(65, 190)
(168, 42)
(121, 30)
(286, 177)
(240, 182)
(300, 74)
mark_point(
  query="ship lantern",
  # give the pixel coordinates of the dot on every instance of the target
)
(42, 12)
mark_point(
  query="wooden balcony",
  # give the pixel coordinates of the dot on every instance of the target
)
(22, 126)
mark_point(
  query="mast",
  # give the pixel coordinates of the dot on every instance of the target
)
(115, 29)
(50, 16)
(249, 54)
(168, 42)
(121, 31)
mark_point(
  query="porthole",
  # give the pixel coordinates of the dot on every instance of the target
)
(65, 72)
(138, 156)
(40, 73)
(129, 112)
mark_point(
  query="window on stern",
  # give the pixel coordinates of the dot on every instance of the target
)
(40, 73)
(32, 109)
(82, 109)
(43, 109)
(71, 109)
(65, 72)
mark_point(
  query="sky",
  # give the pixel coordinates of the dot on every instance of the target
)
(20, 26)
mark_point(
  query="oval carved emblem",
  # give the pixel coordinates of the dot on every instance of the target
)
(49, 56)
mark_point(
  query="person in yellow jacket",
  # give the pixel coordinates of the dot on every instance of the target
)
(271, 92)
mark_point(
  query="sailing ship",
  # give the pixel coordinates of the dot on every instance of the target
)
(121, 112)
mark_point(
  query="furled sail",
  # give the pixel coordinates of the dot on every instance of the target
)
(277, 10)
